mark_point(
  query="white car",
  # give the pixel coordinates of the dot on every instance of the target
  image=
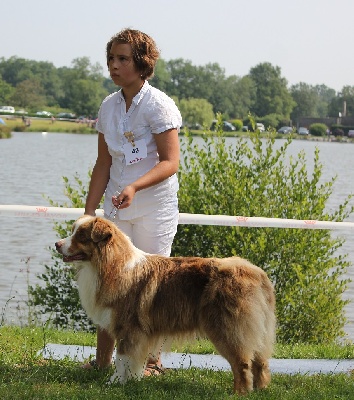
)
(303, 131)
(43, 113)
(260, 127)
(7, 109)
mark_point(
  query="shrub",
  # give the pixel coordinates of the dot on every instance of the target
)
(252, 178)
(271, 120)
(57, 298)
(343, 128)
(318, 129)
(237, 123)
(338, 132)
(5, 132)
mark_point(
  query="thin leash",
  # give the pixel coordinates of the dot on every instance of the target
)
(115, 208)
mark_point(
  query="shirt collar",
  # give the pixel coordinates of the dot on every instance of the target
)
(137, 97)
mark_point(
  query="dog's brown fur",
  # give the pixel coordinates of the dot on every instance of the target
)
(141, 299)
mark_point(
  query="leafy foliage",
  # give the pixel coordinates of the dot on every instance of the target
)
(57, 298)
(254, 178)
(82, 86)
(196, 111)
(318, 129)
(5, 132)
(251, 177)
(272, 95)
(237, 123)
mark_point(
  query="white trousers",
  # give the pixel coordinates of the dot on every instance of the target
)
(154, 232)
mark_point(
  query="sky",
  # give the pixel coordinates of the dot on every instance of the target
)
(309, 40)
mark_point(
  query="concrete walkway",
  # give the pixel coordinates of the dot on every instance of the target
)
(214, 362)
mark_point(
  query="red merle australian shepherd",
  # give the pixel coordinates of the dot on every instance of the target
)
(144, 299)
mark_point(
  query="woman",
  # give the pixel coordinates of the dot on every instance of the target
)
(138, 157)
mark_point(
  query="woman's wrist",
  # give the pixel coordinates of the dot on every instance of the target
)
(90, 212)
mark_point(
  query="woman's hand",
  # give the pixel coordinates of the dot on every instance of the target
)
(125, 198)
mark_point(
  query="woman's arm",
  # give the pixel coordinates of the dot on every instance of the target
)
(168, 149)
(99, 178)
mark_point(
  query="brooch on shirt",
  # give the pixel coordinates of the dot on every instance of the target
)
(130, 137)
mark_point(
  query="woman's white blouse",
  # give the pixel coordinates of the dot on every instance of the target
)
(152, 112)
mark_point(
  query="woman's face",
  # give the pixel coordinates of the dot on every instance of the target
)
(121, 66)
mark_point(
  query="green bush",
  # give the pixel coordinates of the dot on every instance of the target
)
(252, 178)
(57, 297)
(5, 132)
(271, 120)
(343, 128)
(318, 129)
(237, 123)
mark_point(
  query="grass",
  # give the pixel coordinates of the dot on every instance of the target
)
(16, 124)
(25, 375)
(45, 125)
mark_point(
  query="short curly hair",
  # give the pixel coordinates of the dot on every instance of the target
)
(144, 49)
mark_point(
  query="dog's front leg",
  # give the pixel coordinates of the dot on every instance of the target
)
(127, 368)
(121, 366)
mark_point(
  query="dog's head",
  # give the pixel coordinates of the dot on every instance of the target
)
(89, 234)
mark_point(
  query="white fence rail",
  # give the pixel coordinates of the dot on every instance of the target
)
(54, 213)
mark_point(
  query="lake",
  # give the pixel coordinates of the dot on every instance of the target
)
(32, 165)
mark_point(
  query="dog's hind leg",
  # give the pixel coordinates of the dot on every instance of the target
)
(240, 360)
(261, 372)
(241, 367)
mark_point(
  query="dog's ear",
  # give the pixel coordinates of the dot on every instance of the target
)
(100, 230)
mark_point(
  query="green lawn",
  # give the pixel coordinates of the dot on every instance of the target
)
(46, 125)
(25, 375)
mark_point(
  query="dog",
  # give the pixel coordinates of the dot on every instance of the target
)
(142, 300)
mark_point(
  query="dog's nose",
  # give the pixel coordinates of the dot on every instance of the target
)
(58, 245)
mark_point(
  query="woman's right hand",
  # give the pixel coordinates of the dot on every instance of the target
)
(125, 198)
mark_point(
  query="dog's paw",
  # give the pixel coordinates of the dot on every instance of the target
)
(117, 379)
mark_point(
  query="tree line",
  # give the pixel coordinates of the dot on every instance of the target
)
(200, 91)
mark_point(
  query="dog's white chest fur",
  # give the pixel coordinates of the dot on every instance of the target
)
(87, 283)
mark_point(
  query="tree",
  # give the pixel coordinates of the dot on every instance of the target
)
(6, 91)
(15, 70)
(83, 87)
(347, 96)
(162, 78)
(85, 97)
(325, 96)
(244, 97)
(196, 111)
(272, 95)
(305, 97)
(189, 81)
(29, 94)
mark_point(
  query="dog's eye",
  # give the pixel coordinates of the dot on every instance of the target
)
(82, 236)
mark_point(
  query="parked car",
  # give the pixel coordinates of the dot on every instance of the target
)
(351, 133)
(285, 129)
(7, 109)
(196, 126)
(43, 114)
(303, 131)
(245, 128)
(66, 115)
(260, 127)
(23, 112)
(227, 126)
